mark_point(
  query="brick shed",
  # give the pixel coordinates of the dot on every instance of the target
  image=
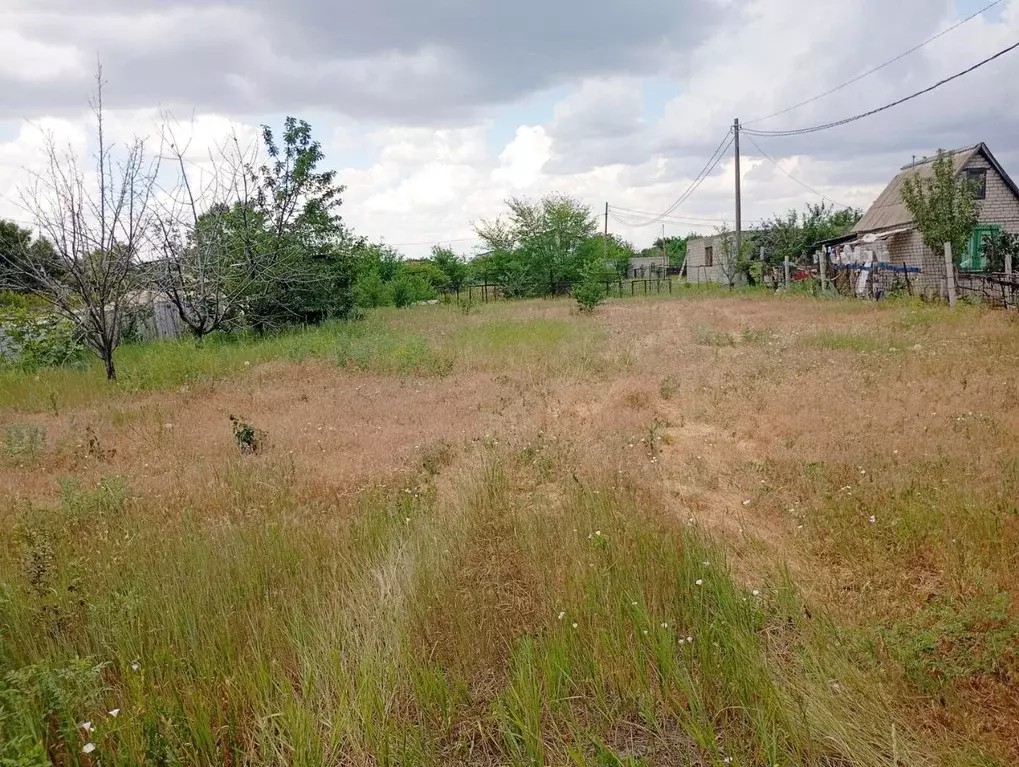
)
(887, 234)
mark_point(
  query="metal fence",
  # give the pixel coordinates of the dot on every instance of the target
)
(636, 287)
(994, 288)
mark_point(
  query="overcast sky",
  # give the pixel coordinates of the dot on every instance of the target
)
(434, 111)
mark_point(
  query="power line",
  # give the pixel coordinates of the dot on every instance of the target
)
(846, 121)
(879, 67)
(792, 177)
(715, 158)
(681, 219)
(623, 216)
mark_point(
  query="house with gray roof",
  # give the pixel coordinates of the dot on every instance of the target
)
(887, 234)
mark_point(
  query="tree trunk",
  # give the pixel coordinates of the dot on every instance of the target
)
(111, 372)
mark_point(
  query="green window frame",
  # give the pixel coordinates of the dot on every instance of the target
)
(976, 260)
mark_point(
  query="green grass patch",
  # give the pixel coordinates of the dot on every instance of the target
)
(249, 625)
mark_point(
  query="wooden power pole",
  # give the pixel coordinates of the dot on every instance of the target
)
(739, 201)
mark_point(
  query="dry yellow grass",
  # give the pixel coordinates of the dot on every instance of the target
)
(855, 463)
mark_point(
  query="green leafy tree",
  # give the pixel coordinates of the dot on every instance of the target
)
(294, 226)
(538, 245)
(453, 266)
(431, 274)
(943, 205)
(21, 254)
(612, 255)
(675, 249)
(794, 235)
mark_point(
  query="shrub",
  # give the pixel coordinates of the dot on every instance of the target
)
(590, 291)
(372, 292)
(32, 340)
(409, 289)
(248, 438)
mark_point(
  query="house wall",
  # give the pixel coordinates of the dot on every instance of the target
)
(696, 270)
(1000, 207)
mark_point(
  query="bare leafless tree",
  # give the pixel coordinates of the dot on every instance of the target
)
(207, 267)
(97, 222)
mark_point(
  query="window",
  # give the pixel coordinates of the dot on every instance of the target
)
(709, 255)
(976, 259)
(979, 180)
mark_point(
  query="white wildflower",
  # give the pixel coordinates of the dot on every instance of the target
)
(562, 615)
(665, 625)
(88, 748)
(114, 712)
(873, 519)
(574, 625)
(756, 593)
(699, 581)
(86, 726)
(135, 666)
(689, 640)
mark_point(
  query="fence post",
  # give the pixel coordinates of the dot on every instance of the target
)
(950, 274)
(1008, 273)
(823, 258)
(785, 263)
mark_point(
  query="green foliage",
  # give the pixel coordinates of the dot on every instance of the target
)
(590, 291)
(675, 249)
(294, 227)
(431, 274)
(39, 709)
(21, 256)
(998, 247)
(453, 266)
(734, 262)
(943, 206)
(248, 438)
(403, 291)
(31, 340)
(945, 642)
(538, 245)
(793, 236)
(372, 292)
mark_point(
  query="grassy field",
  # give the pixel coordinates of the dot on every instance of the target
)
(743, 530)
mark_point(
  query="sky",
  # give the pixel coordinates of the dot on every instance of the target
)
(433, 112)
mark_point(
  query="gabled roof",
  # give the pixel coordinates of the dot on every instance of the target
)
(890, 211)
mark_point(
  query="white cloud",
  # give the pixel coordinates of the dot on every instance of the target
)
(428, 174)
(520, 163)
(22, 58)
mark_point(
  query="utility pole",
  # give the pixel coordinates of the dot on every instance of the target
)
(739, 201)
(605, 238)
